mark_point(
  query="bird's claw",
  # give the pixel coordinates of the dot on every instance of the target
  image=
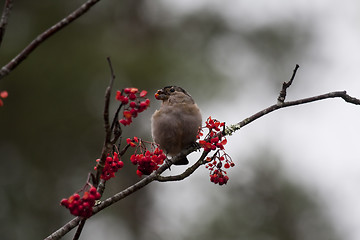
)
(168, 162)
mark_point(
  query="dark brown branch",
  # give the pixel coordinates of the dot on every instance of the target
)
(340, 94)
(4, 18)
(115, 122)
(108, 143)
(79, 229)
(107, 103)
(64, 230)
(286, 85)
(186, 173)
(5, 70)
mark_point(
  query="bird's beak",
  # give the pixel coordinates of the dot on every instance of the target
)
(159, 95)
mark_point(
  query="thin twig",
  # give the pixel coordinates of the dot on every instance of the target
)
(4, 18)
(107, 102)
(116, 117)
(5, 70)
(286, 85)
(107, 147)
(79, 229)
(112, 79)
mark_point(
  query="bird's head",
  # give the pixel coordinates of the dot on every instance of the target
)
(173, 94)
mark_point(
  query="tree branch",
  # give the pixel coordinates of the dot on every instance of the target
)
(64, 230)
(4, 18)
(5, 70)
(79, 229)
(108, 142)
(186, 173)
(340, 94)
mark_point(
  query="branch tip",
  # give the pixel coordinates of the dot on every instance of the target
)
(286, 85)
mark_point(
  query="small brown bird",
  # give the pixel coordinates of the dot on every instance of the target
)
(176, 124)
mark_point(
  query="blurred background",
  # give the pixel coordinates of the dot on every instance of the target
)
(297, 170)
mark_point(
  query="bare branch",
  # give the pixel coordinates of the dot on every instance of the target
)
(64, 230)
(286, 85)
(107, 102)
(5, 70)
(4, 18)
(79, 229)
(186, 173)
(108, 142)
(340, 94)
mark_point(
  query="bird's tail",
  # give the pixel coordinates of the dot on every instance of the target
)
(182, 161)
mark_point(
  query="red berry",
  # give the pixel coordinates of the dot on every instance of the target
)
(120, 164)
(133, 104)
(97, 196)
(132, 96)
(134, 112)
(124, 122)
(64, 202)
(4, 94)
(139, 173)
(92, 191)
(76, 197)
(143, 93)
(124, 100)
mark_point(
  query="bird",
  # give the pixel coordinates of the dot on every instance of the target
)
(175, 125)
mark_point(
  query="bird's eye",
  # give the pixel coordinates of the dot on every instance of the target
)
(172, 90)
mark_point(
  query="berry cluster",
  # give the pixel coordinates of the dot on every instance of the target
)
(112, 165)
(215, 164)
(132, 142)
(212, 139)
(133, 102)
(81, 206)
(3, 94)
(147, 161)
(218, 177)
